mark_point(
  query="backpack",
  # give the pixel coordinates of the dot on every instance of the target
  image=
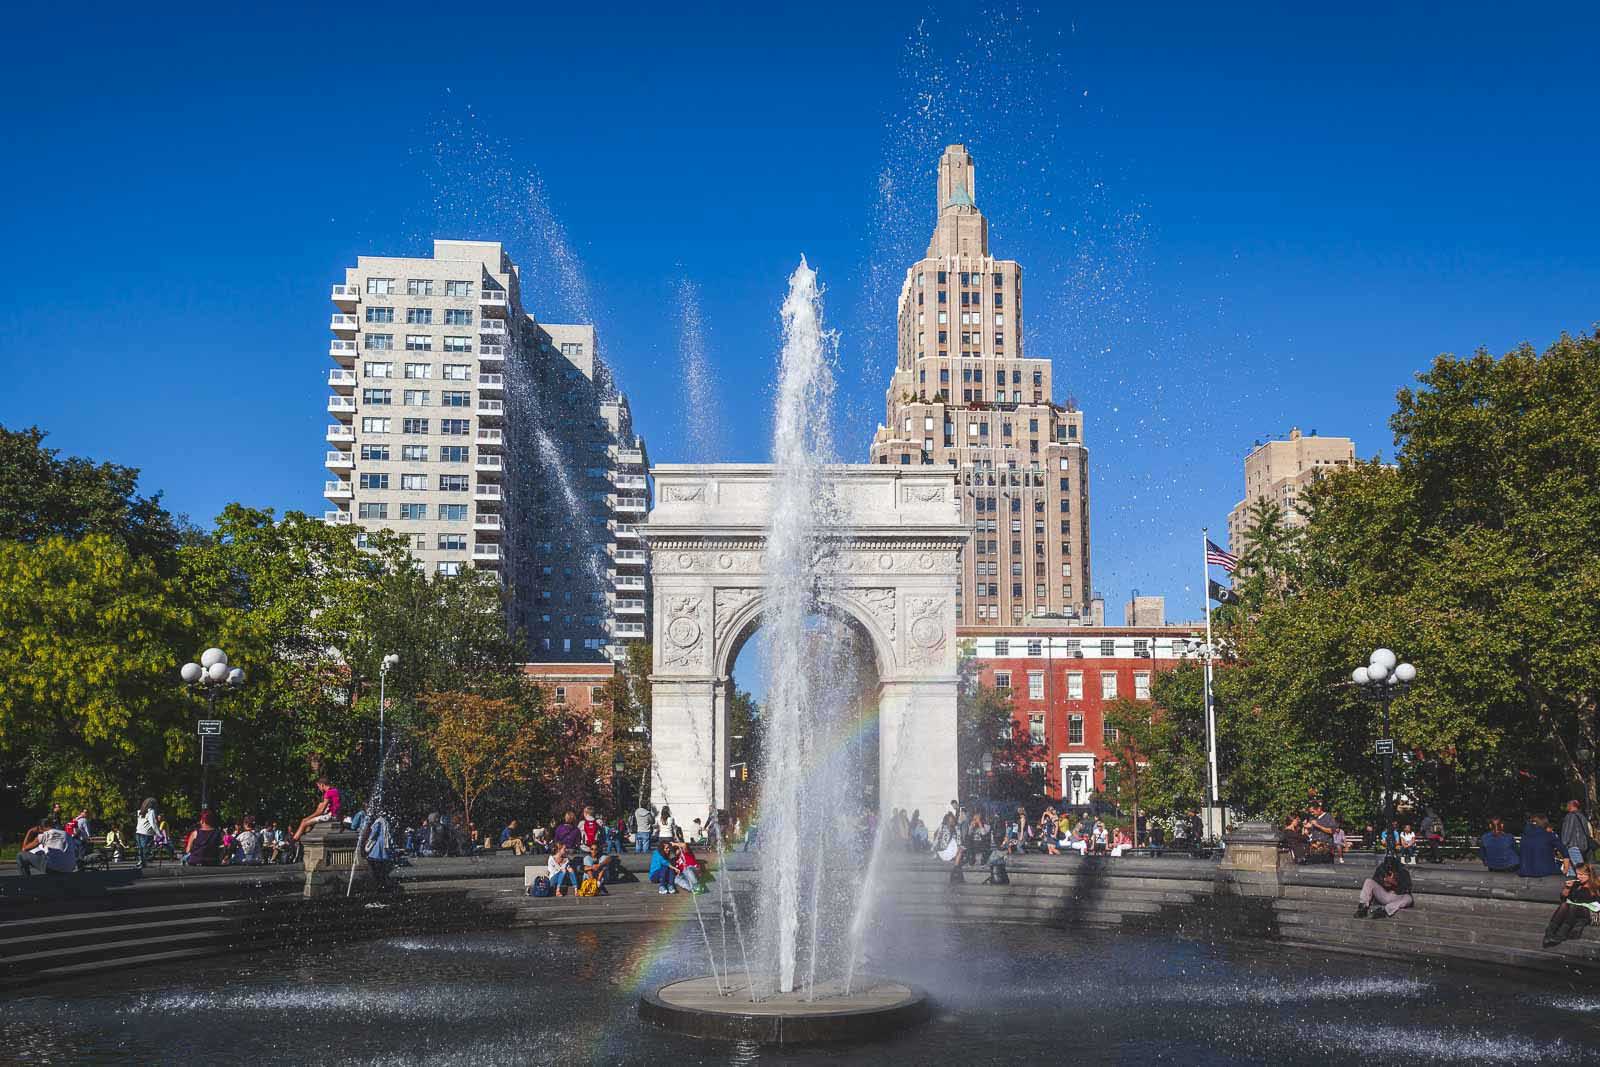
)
(540, 887)
(589, 887)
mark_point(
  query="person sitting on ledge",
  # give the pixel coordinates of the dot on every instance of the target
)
(1121, 843)
(662, 873)
(247, 843)
(47, 849)
(327, 809)
(1498, 849)
(688, 868)
(1389, 887)
(511, 837)
(919, 832)
(1408, 845)
(203, 846)
(1293, 838)
(1541, 849)
(1580, 899)
(562, 875)
(599, 866)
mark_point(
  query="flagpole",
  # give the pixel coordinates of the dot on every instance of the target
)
(1211, 718)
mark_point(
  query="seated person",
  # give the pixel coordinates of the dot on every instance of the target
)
(539, 840)
(1101, 839)
(1121, 843)
(1408, 845)
(1540, 853)
(203, 846)
(47, 849)
(1293, 838)
(511, 837)
(1580, 899)
(1389, 887)
(562, 875)
(1498, 849)
(599, 866)
(116, 841)
(688, 869)
(662, 870)
(327, 809)
(247, 844)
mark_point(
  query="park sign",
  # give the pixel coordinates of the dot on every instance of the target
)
(210, 728)
(1385, 746)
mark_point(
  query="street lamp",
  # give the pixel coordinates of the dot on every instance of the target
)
(211, 677)
(384, 668)
(1382, 679)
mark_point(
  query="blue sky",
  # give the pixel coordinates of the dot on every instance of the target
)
(1231, 220)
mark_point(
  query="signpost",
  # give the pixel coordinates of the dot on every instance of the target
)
(210, 728)
(1385, 746)
(210, 731)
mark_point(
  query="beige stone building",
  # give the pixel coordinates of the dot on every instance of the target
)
(1279, 471)
(1145, 611)
(964, 395)
(489, 439)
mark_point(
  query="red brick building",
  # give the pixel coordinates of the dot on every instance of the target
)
(579, 686)
(1061, 679)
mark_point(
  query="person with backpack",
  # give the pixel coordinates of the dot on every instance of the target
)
(1575, 836)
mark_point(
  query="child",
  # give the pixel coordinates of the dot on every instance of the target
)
(1338, 844)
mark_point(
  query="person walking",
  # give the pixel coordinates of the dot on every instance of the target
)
(145, 830)
(1575, 835)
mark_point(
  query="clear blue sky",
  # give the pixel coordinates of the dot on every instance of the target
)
(1230, 220)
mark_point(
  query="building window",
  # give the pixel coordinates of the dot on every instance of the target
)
(1035, 648)
(379, 314)
(413, 425)
(414, 453)
(457, 288)
(457, 317)
(1108, 647)
(419, 287)
(419, 370)
(457, 372)
(415, 483)
(454, 427)
(1108, 732)
(453, 483)
(1074, 729)
(1141, 685)
(452, 542)
(1035, 729)
(449, 568)
(378, 342)
(414, 511)
(453, 453)
(419, 342)
(1108, 685)
(1002, 679)
(378, 370)
(458, 344)
(367, 510)
(1075, 685)
(375, 452)
(371, 425)
(1002, 647)
(452, 512)
(380, 286)
(419, 316)
(1035, 685)
(455, 399)
(374, 481)
(418, 398)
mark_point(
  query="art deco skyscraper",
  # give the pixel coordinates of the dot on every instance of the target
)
(964, 395)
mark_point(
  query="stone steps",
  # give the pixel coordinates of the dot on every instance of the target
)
(1426, 926)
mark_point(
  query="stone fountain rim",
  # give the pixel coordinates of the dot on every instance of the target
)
(854, 1024)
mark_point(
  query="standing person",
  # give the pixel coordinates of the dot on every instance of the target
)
(327, 809)
(1580, 898)
(1321, 827)
(374, 842)
(644, 822)
(591, 830)
(79, 828)
(1389, 887)
(144, 831)
(1432, 831)
(919, 831)
(669, 826)
(1575, 835)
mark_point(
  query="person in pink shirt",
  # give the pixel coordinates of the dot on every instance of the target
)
(327, 809)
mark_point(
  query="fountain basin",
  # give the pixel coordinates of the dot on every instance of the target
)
(875, 1008)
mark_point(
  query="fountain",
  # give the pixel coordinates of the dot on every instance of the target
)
(802, 984)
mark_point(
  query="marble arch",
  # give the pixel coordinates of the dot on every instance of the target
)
(896, 574)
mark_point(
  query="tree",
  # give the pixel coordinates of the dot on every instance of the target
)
(89, 704)
(989, 748)
(480, 742)
(42, 496)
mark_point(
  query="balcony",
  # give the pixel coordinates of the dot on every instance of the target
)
(492, 327)
(632, 557)
(340, 461)
(343, 325)
(492, 302)
(628, 581)
(491, 383)
(624, 530)
(494, 439)
(341, 405)
(487, 523)
(336, 490)
(489, 464)
(627, 629)
(632, 505)
(628, 457)
(346, 296)
(480, 553)
(341, 434)
(343, 351)
(487, 491)
(337, 518)
(491, 353)
(339, 378)
(491, 409)
(629, 481)
(628, 607)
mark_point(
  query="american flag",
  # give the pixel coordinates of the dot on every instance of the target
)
(1216, 557)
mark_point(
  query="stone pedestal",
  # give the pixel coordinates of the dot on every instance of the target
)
(327, 858)
(1251, 862)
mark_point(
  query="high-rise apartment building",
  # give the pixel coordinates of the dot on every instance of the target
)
(965, 396)
(489, 439)
(1279, 471)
